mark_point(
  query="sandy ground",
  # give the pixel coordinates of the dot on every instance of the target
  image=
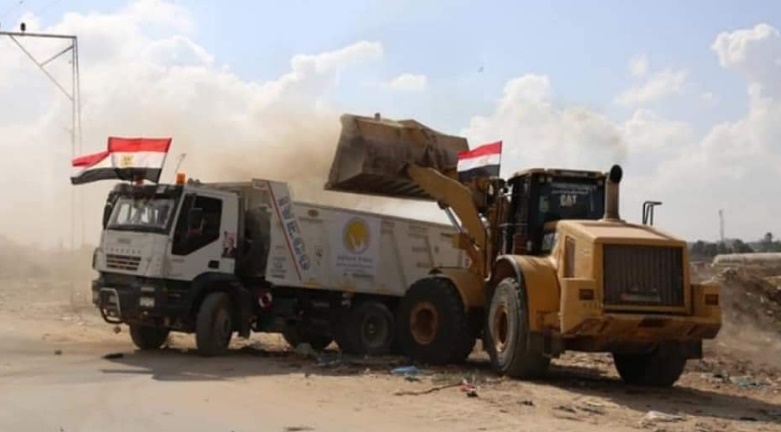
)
(54, 377)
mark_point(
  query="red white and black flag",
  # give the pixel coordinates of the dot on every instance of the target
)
(483, 161)
(128, 159)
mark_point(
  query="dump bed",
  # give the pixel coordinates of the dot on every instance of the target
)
(323, 247)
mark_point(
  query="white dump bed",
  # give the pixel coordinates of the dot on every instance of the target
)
(325, 247)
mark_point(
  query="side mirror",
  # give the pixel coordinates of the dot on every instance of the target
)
(194, 218)
(108, 208)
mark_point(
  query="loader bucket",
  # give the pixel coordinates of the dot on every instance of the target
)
(372, 154)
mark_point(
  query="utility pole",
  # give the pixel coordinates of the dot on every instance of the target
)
(721, 225)
(74, 95)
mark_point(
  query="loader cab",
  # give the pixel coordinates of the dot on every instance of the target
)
(539, 196)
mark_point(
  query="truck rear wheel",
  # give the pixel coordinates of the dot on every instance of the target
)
(660, 368)
(433, 326)
(214, 326)
(148, 338)
(507, 328)
(368, 329)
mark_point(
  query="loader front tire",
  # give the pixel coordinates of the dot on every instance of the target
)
(148, 338)
(507, 338)
(432, 324)
(214, 325)
(660, 368)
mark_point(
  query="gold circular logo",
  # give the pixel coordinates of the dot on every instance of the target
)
(356, 236)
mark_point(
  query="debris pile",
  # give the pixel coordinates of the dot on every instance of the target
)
(748, 299)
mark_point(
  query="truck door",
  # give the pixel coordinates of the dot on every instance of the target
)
(204, 239)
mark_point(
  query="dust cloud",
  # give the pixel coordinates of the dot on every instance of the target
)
(751, 314)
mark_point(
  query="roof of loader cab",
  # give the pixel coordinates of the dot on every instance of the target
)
(559, 172)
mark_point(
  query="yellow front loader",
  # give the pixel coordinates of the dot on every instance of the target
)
(553, 267)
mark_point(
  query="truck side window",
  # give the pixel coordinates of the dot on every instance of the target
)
(187, 241)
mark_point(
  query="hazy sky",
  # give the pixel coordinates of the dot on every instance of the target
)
(686, 95)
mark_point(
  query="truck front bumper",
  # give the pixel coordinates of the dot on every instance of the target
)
(137, 300)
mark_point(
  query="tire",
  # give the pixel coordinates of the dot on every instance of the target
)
(432, 325)
(148, 338)
(295, 335)
(214, 326)
(371, 329)
(660, 368)
(507, 333)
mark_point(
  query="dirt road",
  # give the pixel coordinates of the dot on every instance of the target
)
(54, 377)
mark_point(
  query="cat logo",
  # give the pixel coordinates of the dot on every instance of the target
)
(126, 160)
(356, 236)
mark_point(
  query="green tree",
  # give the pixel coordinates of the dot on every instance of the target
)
(739, 246)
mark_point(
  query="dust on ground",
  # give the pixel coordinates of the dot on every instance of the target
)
(54, 343)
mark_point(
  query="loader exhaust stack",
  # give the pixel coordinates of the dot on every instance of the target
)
(373, 152)
(612, 193)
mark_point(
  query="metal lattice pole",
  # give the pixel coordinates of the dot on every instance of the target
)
(74, 96)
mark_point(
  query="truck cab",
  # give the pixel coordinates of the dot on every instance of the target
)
(156, 240)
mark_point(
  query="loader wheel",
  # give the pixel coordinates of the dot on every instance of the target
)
(660, 368)
(432, 326)
(214, 326)
(148, 338)
(368, 329)
(295, 335)
(507, 338)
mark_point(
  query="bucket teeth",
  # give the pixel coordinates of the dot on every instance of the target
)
(372, 153)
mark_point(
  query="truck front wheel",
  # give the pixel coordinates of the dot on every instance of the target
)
(148, 338)
(660, 368)
(432, 325)
(507, 328)
(214, 326)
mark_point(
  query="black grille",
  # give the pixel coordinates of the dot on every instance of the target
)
(643, 275)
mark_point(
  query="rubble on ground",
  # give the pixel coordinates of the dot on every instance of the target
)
(750, 299)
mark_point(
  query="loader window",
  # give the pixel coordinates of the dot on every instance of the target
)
(187, 238)
(549, 242)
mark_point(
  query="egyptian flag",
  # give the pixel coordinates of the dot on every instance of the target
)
(128, 159)
(483, 161)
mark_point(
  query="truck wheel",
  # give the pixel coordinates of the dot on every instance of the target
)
(507, 328)
(214, 326)
(295, 335)
(148, 338)
(660, 368)
(432, 326)
(371, 328)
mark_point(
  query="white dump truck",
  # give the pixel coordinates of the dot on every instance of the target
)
(222, 258)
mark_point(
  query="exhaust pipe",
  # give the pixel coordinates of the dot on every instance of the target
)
(611, 193)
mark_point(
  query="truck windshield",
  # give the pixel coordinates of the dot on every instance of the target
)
(142, 214)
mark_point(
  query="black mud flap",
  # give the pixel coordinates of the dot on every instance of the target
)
(110, 306)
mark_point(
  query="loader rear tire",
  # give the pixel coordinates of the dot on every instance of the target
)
(660, 368)
(214, 325)
(432, 325)
(507, 338)
(148, 338)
